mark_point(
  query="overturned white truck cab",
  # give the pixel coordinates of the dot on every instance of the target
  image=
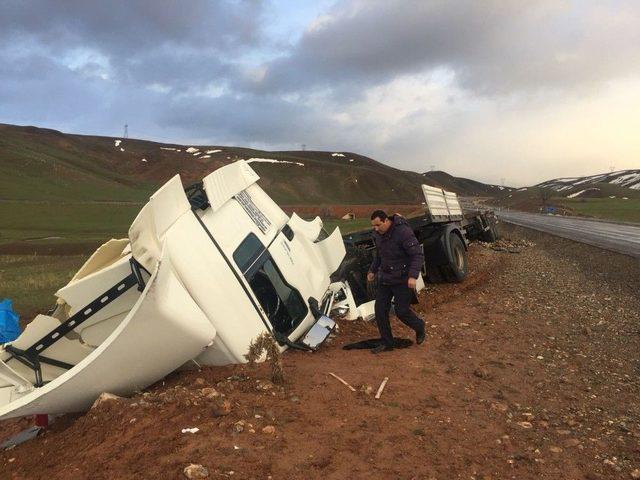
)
(202, 273)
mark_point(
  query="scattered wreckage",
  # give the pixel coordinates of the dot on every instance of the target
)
(204, 271)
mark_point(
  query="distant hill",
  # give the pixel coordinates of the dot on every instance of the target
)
(619, 183)
(47, 165)
(614, 195)
(458, 184)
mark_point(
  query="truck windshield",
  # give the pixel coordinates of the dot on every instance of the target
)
(283, 304)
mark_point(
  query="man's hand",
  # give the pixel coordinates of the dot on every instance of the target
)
(371, 277)
(411, 283)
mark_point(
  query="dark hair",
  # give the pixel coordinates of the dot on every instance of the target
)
(379, 214)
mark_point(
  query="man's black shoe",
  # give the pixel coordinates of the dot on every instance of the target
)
(420, 337)
(381, 348)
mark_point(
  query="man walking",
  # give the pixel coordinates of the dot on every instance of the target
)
(397, 267)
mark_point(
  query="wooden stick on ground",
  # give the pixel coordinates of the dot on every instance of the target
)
(381, 388)
(342, 381)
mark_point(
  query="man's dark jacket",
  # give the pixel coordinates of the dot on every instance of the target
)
(399, 253)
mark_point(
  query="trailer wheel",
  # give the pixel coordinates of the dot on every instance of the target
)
(456, 270)
(432, 274)
(495, 230)
(490, 235)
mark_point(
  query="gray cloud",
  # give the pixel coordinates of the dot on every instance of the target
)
(491, 47)
(125, 27)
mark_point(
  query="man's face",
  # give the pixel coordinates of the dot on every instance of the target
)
(381, 226)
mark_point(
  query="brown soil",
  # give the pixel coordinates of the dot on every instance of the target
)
(530, 371)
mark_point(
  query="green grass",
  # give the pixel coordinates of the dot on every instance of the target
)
(30, 281)
(606, 208)
(22, 220)
(347, 226)
(38, 177)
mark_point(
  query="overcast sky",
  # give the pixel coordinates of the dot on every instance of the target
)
(520, 90)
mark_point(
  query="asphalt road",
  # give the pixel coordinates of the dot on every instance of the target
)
(617, 237)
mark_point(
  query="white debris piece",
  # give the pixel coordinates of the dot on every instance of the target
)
(501, 188)
(122, 149)
(117, 142)
(337, 154)
(169, 148)
(192, 150)
(612, 196)
(212, 151)
(190, 430)
(351, 159)
(205, 156)
(522, 189)
(144, 159)
(625, 198)
(272, 160)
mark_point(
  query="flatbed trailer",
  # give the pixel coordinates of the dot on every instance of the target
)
(444, 233)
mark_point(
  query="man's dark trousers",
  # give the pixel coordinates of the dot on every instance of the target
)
(403, 295)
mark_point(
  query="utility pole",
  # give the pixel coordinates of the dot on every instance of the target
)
(126, 131)
(304, 146)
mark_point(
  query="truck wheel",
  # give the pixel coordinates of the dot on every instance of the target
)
(456, 270)
(358, 286)
(496, 232)
(432, 274)
(490, 235)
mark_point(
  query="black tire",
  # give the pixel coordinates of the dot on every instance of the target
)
(495, 230)
(433, 274)
(359, 287)
(456, 270)
(489, 235)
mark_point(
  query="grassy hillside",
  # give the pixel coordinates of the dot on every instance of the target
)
(37, 164)
(606, 208)
(88, 187)
(41, 164)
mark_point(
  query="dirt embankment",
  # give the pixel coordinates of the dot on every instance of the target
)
(530, 371)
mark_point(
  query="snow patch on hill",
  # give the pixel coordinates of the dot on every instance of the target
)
(577, 194)
(272, 160)
(622, 178)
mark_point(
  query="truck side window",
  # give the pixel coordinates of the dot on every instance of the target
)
(248, 252)
(283, 305)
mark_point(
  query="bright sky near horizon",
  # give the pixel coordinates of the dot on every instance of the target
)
(518, 90)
